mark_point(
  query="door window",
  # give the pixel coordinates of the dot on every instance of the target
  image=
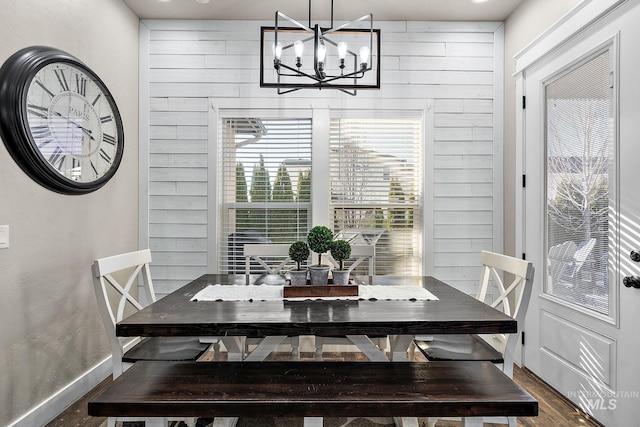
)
(579, 165)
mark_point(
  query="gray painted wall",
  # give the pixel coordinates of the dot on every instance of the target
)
(51, 333)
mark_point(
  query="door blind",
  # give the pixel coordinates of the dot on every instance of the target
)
(579, 137)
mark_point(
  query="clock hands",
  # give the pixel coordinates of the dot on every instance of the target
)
(85, 130)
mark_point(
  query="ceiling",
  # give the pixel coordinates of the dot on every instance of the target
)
(383, 10)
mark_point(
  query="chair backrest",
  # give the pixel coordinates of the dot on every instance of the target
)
(114, 278)
(359, 254)
(274, 258)
(560, 257)
(513, 298)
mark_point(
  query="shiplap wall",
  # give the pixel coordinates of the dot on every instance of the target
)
(457, 67)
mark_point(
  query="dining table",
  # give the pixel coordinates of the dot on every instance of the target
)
(451, 312)
(273, 318)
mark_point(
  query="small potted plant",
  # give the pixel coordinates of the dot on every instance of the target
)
(299, 252)
(319, 239)
(340, 251)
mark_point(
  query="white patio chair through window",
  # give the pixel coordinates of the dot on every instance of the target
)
(115, 280)
(513, 300)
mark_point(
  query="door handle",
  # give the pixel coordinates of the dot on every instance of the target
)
(631, 281)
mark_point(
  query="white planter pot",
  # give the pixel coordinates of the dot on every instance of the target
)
(340, 277)
(319, 274)
(298, 277)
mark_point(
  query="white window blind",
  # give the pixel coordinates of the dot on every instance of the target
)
(265, 166)
(375, 173)
(579, 138)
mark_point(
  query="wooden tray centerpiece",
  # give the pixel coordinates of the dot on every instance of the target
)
(319, 291)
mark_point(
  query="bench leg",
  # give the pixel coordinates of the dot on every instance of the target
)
(224, 422)
(472, 422)
(313, 421)
(405, 421)
(155, 422)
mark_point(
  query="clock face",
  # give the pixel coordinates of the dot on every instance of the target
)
(59, 121)
(71, 122)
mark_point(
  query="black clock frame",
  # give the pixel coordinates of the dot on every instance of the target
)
(16, 75)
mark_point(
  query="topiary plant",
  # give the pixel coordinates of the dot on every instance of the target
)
(340, 251)
(299, 251)
(319, 240)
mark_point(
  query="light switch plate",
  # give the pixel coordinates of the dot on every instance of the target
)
(4, 236)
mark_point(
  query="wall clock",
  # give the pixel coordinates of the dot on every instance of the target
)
(59, 121)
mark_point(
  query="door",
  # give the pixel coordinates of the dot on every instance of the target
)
(582, 217)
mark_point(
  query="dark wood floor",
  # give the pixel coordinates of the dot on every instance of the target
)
(554, 410)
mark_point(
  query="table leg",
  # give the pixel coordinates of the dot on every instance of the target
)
(399, 347)
(267, 346)
(235, 348)
(366, 346)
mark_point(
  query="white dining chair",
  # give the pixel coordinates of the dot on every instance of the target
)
(513, 300)
(115, 280)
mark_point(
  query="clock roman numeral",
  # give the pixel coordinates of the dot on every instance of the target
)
(39, 83)
(105, 119)
(105, 156)
(57, 158)
(42, 134)
(37, 110)
(62, 80)
(95, 101)
(109, 139)
(95, 171)
(81, 85)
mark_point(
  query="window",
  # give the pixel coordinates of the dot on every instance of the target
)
(265, 184)
(375, 174)
(579, 143)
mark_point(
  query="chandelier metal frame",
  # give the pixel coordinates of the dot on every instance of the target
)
(349, 79)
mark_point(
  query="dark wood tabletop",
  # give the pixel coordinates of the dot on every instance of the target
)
(453, 312)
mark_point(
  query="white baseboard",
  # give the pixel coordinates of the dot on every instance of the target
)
(50, 408)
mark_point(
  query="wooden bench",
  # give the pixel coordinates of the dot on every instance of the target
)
(313, 389)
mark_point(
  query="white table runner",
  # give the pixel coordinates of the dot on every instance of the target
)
(219, 292)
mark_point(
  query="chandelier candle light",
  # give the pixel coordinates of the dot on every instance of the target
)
(315, 57)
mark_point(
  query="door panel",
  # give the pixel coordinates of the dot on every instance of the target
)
(588, 349)
(567, 344)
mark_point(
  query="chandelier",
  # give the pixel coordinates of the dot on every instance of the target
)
(345, 57)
